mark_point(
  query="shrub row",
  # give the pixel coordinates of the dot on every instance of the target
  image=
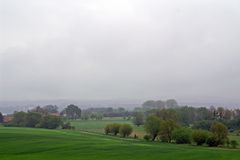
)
(123, 129)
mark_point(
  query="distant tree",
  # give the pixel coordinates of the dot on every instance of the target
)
(200, 136)
(138, 118)
(19, 119)
(167, 128)
(121, 109)
(171, 103)
(228, 114)
(152, 126)
(125, 130)
(99, 116)
(220, 132)
(50, 122)
(40, 110)
(186, 115)
(182, 135)
(159, 104)
(93, 116)
(1, 118)
(149, 104)
(205, 124)
(50, 109)
(72, 112)
(85, 115)
(203, 114)
(166, 114)
(32, 119)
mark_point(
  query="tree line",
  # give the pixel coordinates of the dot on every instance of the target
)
(45, 117)
(185, 124)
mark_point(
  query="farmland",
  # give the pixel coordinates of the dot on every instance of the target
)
(36, 144)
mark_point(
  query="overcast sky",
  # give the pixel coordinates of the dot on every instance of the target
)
(120, 49)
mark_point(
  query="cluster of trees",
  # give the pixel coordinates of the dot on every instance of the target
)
(35, 120)
(96, 113)
(123, 129)
(200, 118)
(168, 130)
(46, 110)
(170, 103)
(45, 117)
(91, 115)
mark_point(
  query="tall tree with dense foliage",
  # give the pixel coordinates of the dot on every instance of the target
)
(51, 109)
(32, 119)
(166, 114)
(220, 132)
(19, 119)
(171, 103)
(153, 126)
(167, 128)
(138, 118)
(72, 112)
(50, 122)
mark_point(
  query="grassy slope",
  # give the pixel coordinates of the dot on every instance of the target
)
(99, 125)
(40, 144)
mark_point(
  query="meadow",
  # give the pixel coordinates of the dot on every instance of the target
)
(97, 126)
(38, 144)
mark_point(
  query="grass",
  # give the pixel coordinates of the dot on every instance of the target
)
(99, 125)
(38, 144)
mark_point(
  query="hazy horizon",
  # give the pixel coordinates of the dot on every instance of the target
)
(120, 50)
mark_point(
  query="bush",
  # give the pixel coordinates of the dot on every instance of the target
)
(200, 136)
(138, 119)
(182, 136)
(233, 143)
(67, 126)
(107, 129)
(125, 130)
(114, 128)
(50, 122)
(204, 124)
(220, 132)
(212, 141)
(147, 137)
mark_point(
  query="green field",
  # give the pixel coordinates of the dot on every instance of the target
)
(39, 144)
(98, 125)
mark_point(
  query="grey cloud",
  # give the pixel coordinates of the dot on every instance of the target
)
(138, 49)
